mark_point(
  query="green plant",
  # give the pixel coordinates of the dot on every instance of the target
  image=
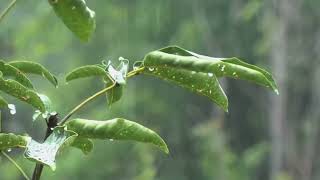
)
(184, 68)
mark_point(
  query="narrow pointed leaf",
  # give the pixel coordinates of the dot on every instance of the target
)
(11, 140)
(84, 144)
(117, 129)
(76, 16)
(86, 71)
(46, 152)
(22, 93)
(9, 70)
(198, 82)
(178, 58)
(34, 68)
(3, 102)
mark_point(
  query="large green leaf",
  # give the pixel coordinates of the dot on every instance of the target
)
(17, 90)
(34, 68)
(9, 70)
(118, 129)
(46, 152)
(76, 16)
(198, 82)
(84, 144)
(11, 140)
(86, 71)
(178, 58)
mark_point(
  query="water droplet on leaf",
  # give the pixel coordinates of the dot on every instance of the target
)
(210, 74)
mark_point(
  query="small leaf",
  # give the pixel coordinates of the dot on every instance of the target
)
(17, 90)
(46, 152)
(34, 68)
(3, 102)
(86, 71)
(9, 70)
(175, 57)
(114, 94)
(11, 140)
(76, 16)
(84, 144)
(198, 82)
(117, 129)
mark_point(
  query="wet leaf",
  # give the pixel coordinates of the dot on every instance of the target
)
(34, 68)
(76, 16)
(9, 70)
(22, 93)
(11, 140)
(86, 71)
(178, 58)
(117, 129)
(201, 83)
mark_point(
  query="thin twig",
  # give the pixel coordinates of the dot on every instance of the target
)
(16, 165)
(6, 11)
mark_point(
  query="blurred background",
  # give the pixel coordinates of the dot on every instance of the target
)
(264, 136)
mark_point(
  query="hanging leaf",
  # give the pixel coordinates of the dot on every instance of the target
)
(34, 68)
(3, 102)
(11, 140)
(46, 152)
(24, 94)
(76, 16)
(178, 58)
(8, 70)
(86, 71)
(198, 82)
(117, 129)
(84, 144)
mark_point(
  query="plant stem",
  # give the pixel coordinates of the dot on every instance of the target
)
(6, 11)
(103, 91)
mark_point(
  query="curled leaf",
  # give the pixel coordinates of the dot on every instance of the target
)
(46, 152)
(117, 129)
(22, 93)
(86, 71)
(9, 70)
(175, 57)
(34, 68)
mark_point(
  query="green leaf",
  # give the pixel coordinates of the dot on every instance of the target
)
(197, 82)
(11, 140)
(84, 144)
(178, 58)
(22, 93)
(114, 94)
(46, 152)
(118, 129)
(3, 102)
(34, 68)
(9, 70)
(86, 71)
(76, 16)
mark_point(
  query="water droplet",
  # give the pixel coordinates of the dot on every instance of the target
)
(234, 74)
(151, 69)
(111, 140)
(9, 150)
(12, 109)
(210, 92)
(223, 67)
(210, 74)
